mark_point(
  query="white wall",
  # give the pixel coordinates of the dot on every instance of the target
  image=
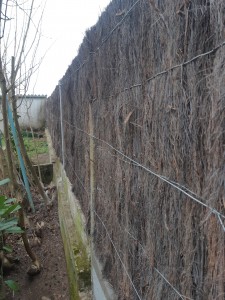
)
(31, 111)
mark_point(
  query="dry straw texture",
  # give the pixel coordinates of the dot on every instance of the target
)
(171, 122)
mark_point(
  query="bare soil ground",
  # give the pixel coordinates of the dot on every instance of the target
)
(52, 282)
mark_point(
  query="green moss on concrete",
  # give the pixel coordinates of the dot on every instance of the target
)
(83, 267)
(73, 280)
(73, 234)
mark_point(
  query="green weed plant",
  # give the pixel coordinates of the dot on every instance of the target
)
(8, 225)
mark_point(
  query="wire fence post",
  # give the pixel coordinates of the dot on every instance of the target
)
(61, 121)
(92, 179)
(92, 183)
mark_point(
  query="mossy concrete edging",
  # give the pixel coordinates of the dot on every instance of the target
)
(76, 243)
(83, 267)
(72, 226)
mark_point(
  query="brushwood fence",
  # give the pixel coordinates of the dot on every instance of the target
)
(151, 73)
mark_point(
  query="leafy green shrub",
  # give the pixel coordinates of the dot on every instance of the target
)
(8, 222)
(8, 225)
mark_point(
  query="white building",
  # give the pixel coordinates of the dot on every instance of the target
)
(31, 111)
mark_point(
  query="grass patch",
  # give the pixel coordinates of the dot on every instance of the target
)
(33, 146)
(37, 146)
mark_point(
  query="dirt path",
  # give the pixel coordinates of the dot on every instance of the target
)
(52, 282)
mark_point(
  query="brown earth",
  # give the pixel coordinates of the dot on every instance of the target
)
(52, 282)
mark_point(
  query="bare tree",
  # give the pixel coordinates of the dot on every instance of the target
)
(19, 48)
(17, 51)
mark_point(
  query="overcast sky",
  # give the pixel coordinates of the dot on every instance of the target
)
(63, 29)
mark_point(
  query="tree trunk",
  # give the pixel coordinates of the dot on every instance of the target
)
(22, 146)
(6, 127)
(24, 235)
